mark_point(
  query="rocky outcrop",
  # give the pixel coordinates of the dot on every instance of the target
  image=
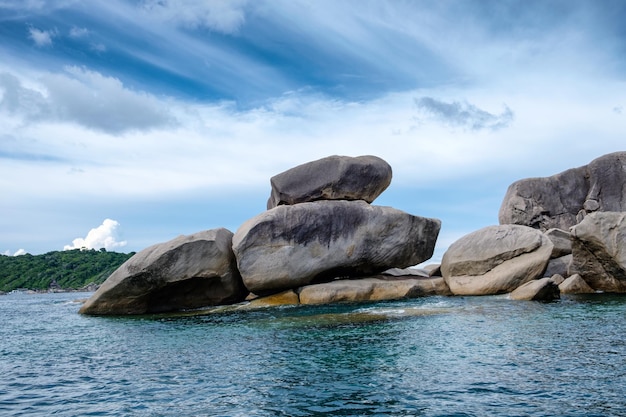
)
(372, 289)
(562, 242)
(331, 178)
(495, 260)
(575, 285)
(292, 246)
(185, 273)
(563, 200)
(544, 289)
(599, 251)
(559, 266)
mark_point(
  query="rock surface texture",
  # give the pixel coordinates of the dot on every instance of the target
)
(495, 260)
(187, 272)
(575, 285)
(563, 200)
(372, 289)
(544, 289)
(599, 251)
(331, 178)
(292, 246)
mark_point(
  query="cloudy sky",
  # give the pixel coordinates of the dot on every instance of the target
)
(128, 123)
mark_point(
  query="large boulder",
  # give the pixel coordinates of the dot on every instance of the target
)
(544, 289)
(372, 289)
(331, 178)
(575, 285)
(562, 200)
(292, 246)
(495, 260)
(185, 273)
(599, 251)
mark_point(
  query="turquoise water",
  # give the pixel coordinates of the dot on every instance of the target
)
(437, 356)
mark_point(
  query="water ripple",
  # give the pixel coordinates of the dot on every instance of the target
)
(427, 357)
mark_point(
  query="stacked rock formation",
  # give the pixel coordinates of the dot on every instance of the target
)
(582, 211)
(322, 241)
(319, 228)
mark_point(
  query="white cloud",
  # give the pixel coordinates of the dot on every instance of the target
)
(41, 38)
(464, 114)
(104, 236)
(77, 32)
(16, 253)
(83, 97)
(224, 16)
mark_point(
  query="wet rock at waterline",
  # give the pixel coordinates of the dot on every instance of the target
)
(187, 272)
(292, 246)
(331, 178)
(544, 289)
(575, 285)
(372, 289)
(495, 260)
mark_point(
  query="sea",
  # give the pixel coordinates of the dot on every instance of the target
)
(432, 356)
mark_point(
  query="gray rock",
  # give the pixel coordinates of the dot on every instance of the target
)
(559, 266)
(495, 260)
(557, 279)
(562, 242)
(544, 289)
(599, 251)
(563, 200)
(405, 272)
(187, 272)
(372, 289)
(292, 246)
(331, 178)
(434, 270)
(575, 285)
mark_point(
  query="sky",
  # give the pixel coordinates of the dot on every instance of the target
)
(125, 123)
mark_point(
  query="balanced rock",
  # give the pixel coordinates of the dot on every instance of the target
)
(563, 200)
(495, 260)
(599, 251)
(372, 289)
(292, 246)
(187, 272)
(544, 289)
(331, 178)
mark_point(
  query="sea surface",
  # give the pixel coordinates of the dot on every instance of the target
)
(434, 356)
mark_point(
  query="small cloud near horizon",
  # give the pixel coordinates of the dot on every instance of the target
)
(104, 236)
(18, 252)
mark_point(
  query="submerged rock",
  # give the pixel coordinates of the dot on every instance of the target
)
(187, 272)
(292, 246)
(495, 260)
(331, 178)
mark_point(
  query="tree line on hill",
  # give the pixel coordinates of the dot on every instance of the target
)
(69, 269)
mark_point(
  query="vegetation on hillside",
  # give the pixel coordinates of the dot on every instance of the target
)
(70, 269)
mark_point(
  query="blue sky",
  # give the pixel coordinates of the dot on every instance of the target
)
(128, 123)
